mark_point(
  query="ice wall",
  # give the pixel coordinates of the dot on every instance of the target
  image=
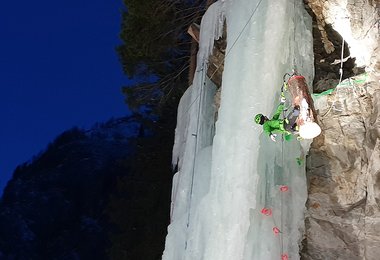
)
(192, 157)
(224, 180)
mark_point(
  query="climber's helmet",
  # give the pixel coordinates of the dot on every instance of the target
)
(260, 119)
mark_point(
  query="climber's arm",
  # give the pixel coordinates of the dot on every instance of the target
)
(280, 108)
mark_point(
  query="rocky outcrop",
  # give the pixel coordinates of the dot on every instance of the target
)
(343, 176)
(356, 21)
(343, 166)
(216, 58)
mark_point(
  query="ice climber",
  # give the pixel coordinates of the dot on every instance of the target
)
(285, 126)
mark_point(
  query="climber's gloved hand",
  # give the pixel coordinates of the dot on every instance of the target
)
(273, 137)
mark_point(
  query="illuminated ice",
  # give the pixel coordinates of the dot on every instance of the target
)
(229, 171)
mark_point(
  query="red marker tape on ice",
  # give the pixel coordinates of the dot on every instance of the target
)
(266, 211)
(284, 257)
(276, 230)
(284, 188)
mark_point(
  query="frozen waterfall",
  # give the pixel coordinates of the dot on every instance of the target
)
(229, 171)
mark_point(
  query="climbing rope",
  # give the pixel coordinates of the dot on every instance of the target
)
(266, 211)
(276, 230)
(187, 110)
(341, 62)
(196, 98)
(294, 34)
(220, 64)
(340, 81)
(196, 135)
(282, 198)
(284, 188)
(203, 80)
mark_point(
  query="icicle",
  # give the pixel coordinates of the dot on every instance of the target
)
(211, 29)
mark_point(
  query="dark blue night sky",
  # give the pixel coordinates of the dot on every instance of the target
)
(58, 69)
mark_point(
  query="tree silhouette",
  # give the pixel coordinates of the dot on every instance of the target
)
(156, 48)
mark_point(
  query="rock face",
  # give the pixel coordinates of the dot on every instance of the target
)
(343, 176)
(343, 166)
(357, 21)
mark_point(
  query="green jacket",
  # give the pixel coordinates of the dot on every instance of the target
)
(275, 125)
